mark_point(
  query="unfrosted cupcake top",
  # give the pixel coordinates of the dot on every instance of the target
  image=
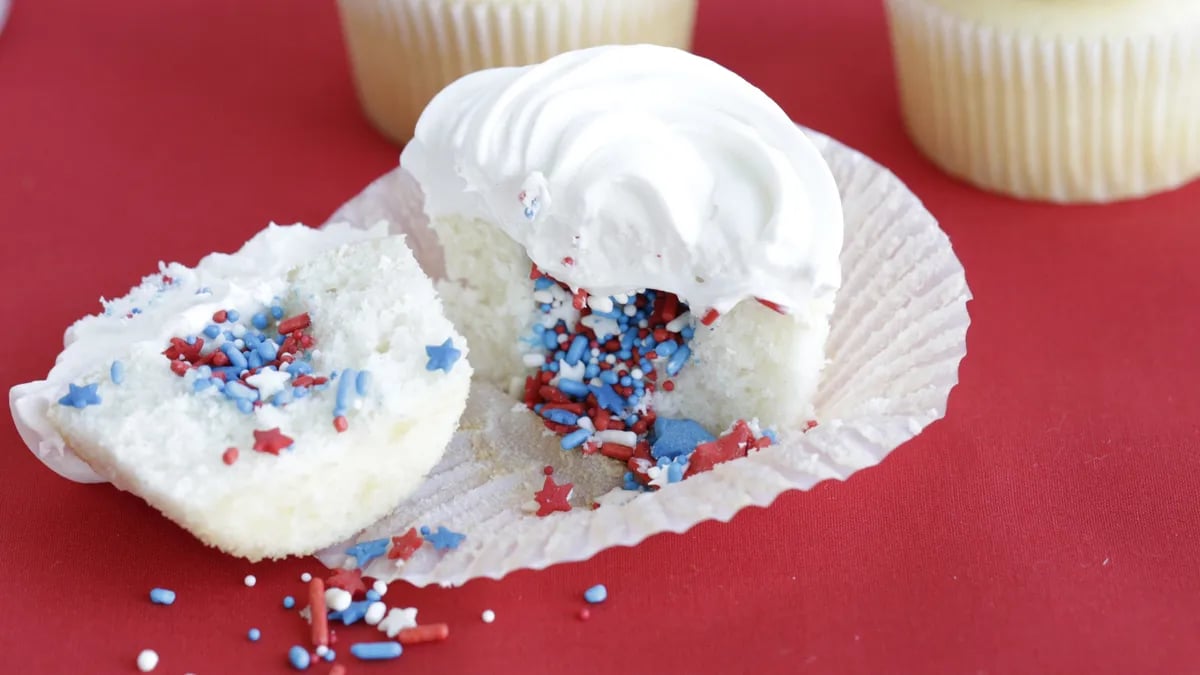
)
(1077, 17)
(626, 167)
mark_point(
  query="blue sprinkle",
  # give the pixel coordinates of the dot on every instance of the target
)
(591, 371)
(232, 315)
(330, 655)
(376, 651)
(136, 310)
(675, 363)
(666, 347)
(259, 320)
(245, 406)
(252, 340)
(538, 329)
(236, 358)
(344, 392)
(627, 340)
(288, 602)
(687, 332)
(595, 595)
(217, 383)
(229, 335)
(372, 596)
(254, 634)
(117, 372)
(572, 387)
(609, 376)
(279, 339)
(552, 366)
(542, 283)
(550, 339)
(631, 483)
(80, 397)
(442, 357)
(201, 383)
(364, 552)
(191, 339)
(559, 416)
(443, 539)
(299, 392)
(355, 612)
(276, 312)
(770, 433)
(162, 596)
(625, 354)
(267, 349)
(578, 346)
(362, 383)
(282, 398)
(254, 361)
(299, 658)
(675, 438)
(300, 368)
(237, 390)
(575, 439)
(607, 397)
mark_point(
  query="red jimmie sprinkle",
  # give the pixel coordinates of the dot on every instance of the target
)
(433, 632)
(340, 423)
(579, 299)
(230, 456)
(615, 451)
(316, 607)
(774, 306)
(337, 669)
(294, 323)
(710, 316)
(219, 316)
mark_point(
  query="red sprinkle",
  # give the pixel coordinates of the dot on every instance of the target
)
(337, 669)
(303, 381)
(179, 367)
(433, 632)
(271, 441)
(350, 581)
(294, 323)
(404, 546)
(219, 359)
(620, 452)
(710, 316)
(568, 261)
(547, 470)
(230, 456)
(774, 306)
(316, 606)
(668, 385)
(219, 316)
(811, 424)
(584, 614)
(579, 300)
(340, 423)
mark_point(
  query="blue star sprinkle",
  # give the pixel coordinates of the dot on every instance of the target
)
(608, 398)
(442, 357)
(366, 551)
(81, 397)
(674, 438)
(443, 539)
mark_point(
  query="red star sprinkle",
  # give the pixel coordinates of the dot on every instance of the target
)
(404, 546)
(730, 446)
(348, 580)
(271, 441)
(553, 497)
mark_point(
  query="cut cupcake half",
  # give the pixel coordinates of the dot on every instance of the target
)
(272, 402)
(638, 244)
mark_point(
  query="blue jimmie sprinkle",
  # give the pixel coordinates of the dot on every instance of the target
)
(675, 363)
(550, 340)
(201, 383)
(559, 416)
(770, 433)
(362, 383)
(116, 372)
(376, 651)
(238, 391)
(245, 406)
(578, 346)
(236, 358)
(575, 439)
(345, 391)
(572, 387)
(373, 596)
(162, 596)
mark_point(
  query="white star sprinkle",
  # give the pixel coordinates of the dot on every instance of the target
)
(268, 382)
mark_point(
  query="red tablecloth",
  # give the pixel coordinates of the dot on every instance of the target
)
(1049, 524)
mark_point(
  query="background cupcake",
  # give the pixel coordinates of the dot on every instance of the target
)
(402, 52)
(1060, 101)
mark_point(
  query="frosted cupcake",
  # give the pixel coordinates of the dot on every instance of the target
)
(403, 52)
(1066, 101)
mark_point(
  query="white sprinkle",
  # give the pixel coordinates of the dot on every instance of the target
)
(625, 438)
(306, 577)
(600, 303)
(562, 337)
(630, 309)
(337, 599)
(611, 358)
(532, 360)
(238, 331)
(375, 612)
(680, 322)
(322, 650)
(147, 660)
(643, 324)
(637, 373)
(250, 581)
(620, 298)
(380, 587)
(586, 423)
(595, 351)
(488, 616)
(543, 296)
(239, 343)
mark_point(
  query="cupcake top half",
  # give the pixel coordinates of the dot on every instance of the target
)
(626, 167)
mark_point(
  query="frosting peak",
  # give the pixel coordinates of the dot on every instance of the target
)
(627, 167)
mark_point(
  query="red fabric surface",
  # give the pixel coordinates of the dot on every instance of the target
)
(1049, 524)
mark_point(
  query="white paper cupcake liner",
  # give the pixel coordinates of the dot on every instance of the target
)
(898, 335)
(1063, 119)
(403, 52)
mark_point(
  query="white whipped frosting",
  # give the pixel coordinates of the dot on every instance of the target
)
(252, 276)
(627, 167)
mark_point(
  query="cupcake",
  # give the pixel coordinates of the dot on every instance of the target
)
(402, 52)
(1059, 101)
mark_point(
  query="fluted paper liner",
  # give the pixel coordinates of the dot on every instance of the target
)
(898, 334)
(403, 52)
(1062, 119)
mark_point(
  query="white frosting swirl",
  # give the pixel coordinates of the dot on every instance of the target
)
(627, 167)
